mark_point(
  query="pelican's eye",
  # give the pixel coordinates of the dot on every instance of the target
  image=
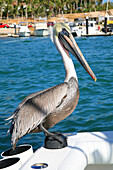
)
(65, 32)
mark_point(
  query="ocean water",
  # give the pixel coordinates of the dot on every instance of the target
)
(28, 65)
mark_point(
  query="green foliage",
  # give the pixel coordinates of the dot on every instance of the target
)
(36, 8)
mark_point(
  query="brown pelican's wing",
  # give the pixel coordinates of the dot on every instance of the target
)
(30, 96)
(22, 103)
(24, 100)
(34, 109)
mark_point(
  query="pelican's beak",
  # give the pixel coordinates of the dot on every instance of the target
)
(69, 44)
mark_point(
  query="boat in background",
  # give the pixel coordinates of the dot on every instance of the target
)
(81, 30)
(41, 29)
(77, 31)
(23, 29)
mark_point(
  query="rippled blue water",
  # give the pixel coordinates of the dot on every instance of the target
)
(32, 64)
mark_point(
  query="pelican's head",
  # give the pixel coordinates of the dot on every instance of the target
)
(62, 33)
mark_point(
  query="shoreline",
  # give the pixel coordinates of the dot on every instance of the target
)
(10, 32)
(6, 32)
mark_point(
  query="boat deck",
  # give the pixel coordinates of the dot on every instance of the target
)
(85, 151)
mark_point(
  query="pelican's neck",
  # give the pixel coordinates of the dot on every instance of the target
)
(68, 63)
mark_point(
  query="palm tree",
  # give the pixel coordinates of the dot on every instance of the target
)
(59, 6)
(47, 8)
(1, 7)
(8, 7)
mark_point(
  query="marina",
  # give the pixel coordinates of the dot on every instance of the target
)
(41, 29)
(82, 24)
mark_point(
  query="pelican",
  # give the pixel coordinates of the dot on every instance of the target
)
(42, 110)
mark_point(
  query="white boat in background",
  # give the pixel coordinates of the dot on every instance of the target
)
(78, 31)
(92, 28)
(24, 31)
(41, 29)
(81, 30)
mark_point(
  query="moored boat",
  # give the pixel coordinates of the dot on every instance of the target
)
(41, 29)
(81, 30)
(24, 31)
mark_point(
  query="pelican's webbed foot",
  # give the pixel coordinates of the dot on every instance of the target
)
(53, 140)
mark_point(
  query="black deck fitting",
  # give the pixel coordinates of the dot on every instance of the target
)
(52, 143)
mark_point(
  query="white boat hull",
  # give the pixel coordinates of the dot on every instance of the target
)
(24, 31)
(81, 30)
(85, 151)
(41, 32)
(24, 34)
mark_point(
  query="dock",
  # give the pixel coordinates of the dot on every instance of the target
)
(101, 34)
(10, 32)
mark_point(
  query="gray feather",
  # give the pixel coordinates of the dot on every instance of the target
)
(34, 108)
